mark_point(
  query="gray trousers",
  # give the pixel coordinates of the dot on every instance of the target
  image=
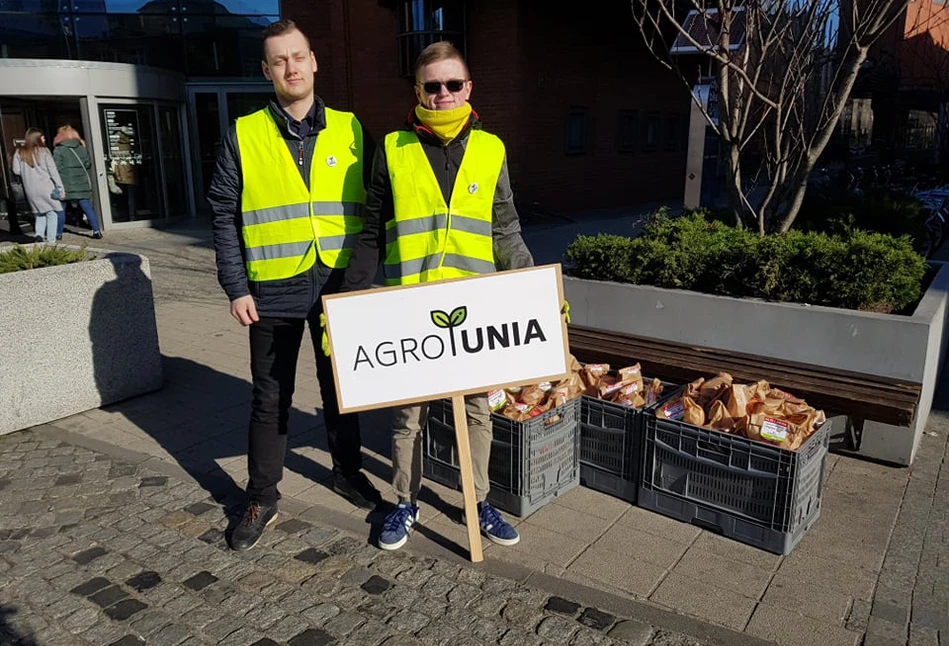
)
(407, 447)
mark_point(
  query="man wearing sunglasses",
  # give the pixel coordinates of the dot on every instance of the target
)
(287, 196)
(439, 206)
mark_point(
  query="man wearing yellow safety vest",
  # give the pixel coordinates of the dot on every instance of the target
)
(439, 206)
(288, 196)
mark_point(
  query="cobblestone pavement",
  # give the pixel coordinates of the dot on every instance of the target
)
(95, 550)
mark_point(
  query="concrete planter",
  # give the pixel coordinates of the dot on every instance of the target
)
(903, 347)
(76, 337)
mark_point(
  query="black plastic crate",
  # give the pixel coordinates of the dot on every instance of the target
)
(611, 444)
(531, 462)
(610, 447)
(749, 491)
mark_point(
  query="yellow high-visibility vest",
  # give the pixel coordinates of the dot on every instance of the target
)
(427, 239)
(285, 227)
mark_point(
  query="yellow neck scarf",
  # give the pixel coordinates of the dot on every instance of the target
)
(446, 124)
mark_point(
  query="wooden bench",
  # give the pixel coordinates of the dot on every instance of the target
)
(861, 396)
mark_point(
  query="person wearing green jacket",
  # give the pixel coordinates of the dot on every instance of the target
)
(75, 167)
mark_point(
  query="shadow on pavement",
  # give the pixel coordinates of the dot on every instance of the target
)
(9, 634)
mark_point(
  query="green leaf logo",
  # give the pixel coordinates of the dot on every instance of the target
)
(440, 319)
(458, 315)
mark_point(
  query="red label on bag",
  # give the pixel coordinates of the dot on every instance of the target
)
(674, 410)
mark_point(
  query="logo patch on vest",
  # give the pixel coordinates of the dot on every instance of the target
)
(330, 161)
(473, 187)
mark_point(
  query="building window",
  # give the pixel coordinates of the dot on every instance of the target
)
(578, 130)
(215, 39)
(651, 125)
(423, 22)
(627, 131)
(672, 137)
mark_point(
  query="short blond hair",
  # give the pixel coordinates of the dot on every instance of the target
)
(440, 51)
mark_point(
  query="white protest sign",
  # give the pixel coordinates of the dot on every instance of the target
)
(408, 344)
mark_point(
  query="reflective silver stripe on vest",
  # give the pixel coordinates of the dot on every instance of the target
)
(335, 243)
(291, 211)
(468, 264)
(416, 225)
(274, 251)
(338, 208)
(428, 263)
(471, 225)
(411, 267)
(275, 213)
(435, 222)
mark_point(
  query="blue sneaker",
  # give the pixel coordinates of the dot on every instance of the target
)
(496, 528)
(397, 525)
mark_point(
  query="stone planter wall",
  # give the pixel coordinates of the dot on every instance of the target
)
(910, 348)
(76, 337)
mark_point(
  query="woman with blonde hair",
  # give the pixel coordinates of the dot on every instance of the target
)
(75, 166)
(35, 166)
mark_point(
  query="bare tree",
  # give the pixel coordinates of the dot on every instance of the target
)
(784, 70)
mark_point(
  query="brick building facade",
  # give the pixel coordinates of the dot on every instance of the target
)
(590, 120)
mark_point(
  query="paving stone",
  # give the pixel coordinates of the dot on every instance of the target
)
(517, 638)
(664, 638)
(635, 633)
(319, 614)
(294, 526)
(220, 628)
(104, 632)
(149, 622)
(243, 636)
(169, 636)
(311, 555)
(596, 619)
(562, 606)
(107, 596)
(153, 481)
(590, 637)
(376, 585)
(557, 629)
(285, 628)
(266, 641)
(129, 640)
(125, 609)
(91, 586)
(81, 620)
(343, 623)
(370, 633)
(312, 637)
(401, 640)
(144, 580)
(198, 508)
(408, 621)
(87, 556)
(439, 632)
(200, 581)
(859, 616)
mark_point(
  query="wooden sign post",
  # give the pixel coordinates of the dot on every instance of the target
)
(396, 346)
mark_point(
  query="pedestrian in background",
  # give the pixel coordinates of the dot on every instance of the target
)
(44, 190)
(74, 164)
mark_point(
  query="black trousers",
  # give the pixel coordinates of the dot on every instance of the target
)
(274, 347)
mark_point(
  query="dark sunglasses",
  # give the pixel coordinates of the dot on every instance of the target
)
(434, 87)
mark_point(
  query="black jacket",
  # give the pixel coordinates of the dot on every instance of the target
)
(292, 297)
(510, 252)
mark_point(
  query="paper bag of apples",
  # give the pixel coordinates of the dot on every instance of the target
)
(754, 411)
(624, 386)
(521, 403)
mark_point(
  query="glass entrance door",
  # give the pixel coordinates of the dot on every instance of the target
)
(215, 109)
(131, 164)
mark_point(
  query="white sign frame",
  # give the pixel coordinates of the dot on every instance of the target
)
(340, 308)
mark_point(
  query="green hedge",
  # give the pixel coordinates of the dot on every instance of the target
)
(854, 269)
(20, 258)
